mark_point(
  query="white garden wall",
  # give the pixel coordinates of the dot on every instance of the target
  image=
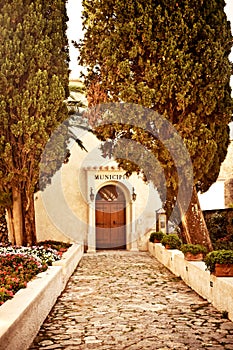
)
(22, 316)
(217, 290)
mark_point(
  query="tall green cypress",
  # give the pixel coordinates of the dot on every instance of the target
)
(33, 87)
(170, 56)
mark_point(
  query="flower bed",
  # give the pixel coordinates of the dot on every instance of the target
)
(15, 271)
(22, 316)
(18, 265)
(61, 247)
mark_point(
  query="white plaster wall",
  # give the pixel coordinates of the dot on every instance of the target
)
(45, 227)
(217, 290)
(62, 209)
(22, 316)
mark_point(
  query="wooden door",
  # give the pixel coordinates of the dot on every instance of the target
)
(110, 223)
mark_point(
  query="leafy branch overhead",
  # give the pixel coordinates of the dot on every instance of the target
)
(173, 58)
(170, 57)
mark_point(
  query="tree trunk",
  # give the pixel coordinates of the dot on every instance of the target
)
(29, 218)
(17, 216)
(193, 223)
(21, 219)
(10, 226)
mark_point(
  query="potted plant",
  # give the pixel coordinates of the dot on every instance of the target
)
(171, 241)
(220, 263)
(193, 252)
(156, 237)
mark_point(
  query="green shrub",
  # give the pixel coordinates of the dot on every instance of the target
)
(223, 245)
(193, 249)
(172, 240)
(218, 257)
(217, 226)
(156, 235)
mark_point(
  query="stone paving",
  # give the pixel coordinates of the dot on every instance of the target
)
(128, 300)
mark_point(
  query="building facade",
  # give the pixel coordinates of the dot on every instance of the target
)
(90, 200)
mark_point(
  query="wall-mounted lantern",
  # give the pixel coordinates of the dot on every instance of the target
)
(92, 195)
(162, 218)
(134, 195)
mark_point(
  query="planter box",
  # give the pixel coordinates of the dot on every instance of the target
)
(22, 316)
(217, 290)
(223, 270)
(193, 257)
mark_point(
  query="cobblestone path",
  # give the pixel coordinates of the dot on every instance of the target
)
(128, 300)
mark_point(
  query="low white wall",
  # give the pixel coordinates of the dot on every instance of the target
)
(22, 316)
(69, 261)
(217, 290)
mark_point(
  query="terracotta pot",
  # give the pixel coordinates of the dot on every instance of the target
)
(223, 270)
(167, 246)
(193, 257)
(156, 241)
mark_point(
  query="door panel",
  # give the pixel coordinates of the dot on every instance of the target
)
(103, 223)
(110, 225)
(118, 225)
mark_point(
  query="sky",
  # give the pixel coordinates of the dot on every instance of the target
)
(74, 31)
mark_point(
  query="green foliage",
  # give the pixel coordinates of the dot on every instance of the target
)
(33, 88)
(223, 245)
(33, 84)
(172, 240)
(171, 57)
(156, 235)
(219, 257)
(217, 226)
(193, 249)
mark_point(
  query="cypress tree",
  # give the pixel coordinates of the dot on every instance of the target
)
(172, 57)
(33, 87)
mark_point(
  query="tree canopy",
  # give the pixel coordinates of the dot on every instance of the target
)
(169, 56)
(33, 87)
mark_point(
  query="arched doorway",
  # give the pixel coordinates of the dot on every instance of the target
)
(110, 216)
